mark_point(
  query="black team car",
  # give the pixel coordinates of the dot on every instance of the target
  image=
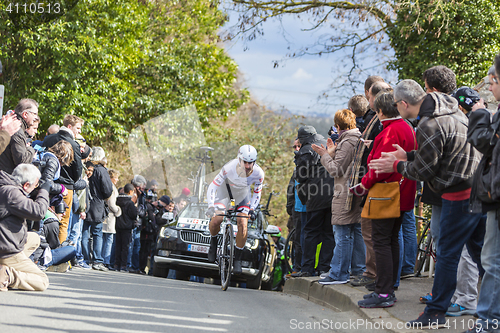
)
(183, 245)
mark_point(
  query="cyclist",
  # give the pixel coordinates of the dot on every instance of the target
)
(239, 174)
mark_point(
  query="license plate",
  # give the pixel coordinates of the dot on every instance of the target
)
(198, 248)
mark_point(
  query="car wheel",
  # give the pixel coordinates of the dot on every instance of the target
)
(180, 275)
(267, 285)
(160, 270)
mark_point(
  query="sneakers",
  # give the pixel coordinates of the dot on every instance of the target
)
(370, 286)
(237, 261)
(407, 275)
(212, 252)
(361, 280)
(456, 310)
(374, 300)
(301, 274)
(329, 280)
(426, 298)
(83, 264)
(324, 275)
(100, 267)
(4, 278)
(392, 295)
(428, 320)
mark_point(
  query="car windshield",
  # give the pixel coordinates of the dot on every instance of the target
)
(197, 211)
(194, 211)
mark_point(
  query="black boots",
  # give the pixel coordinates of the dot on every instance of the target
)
(212, 252)
(237, 260)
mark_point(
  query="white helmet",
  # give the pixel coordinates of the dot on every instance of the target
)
(247, 153)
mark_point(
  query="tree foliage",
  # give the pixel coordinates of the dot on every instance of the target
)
(460, 35)
(457, 33)
(119, 63)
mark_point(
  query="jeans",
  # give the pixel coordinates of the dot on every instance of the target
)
(94, 229)
(340, 265)
(456, 227)
(435, 217)
(488, 307)
(409, 245)
(62, 254)
(135, 246)
(358, 261)
(318, 229)
(108, 242)
(75, 234)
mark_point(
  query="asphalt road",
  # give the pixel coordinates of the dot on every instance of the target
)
(93, 301)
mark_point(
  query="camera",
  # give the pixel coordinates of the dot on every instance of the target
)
(151, 195)
(60, 208)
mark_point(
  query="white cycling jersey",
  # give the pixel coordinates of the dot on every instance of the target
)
(240, 186)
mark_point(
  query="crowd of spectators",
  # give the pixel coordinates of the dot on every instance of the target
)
(443, 138)
(59, 205)
(60, 208)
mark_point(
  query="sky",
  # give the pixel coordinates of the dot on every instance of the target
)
(296, 84)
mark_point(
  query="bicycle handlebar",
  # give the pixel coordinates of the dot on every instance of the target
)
(233, 215)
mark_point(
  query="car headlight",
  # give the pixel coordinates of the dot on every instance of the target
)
(168, 232)
(252, 243)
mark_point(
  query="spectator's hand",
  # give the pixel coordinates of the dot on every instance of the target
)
(65, 192)
(252, 214)
(384, 164)
(319, 149)
(399, 153)
(358, 190)
(478, 105)
(10, 123)
(330, 144)
(83, 215)
(210, 212)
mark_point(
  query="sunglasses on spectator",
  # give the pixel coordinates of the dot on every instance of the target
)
(295, 146)
(396, 103)
(494, 79)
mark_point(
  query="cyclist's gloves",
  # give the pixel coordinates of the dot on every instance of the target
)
(252, 214)
(210, 212)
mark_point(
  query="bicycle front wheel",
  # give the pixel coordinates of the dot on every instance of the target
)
(227, 253)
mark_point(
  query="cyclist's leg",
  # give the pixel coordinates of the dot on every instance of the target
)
(241, 236)
(215, 221)
(214, 227)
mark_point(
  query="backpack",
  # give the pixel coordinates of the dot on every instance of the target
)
(39, 160)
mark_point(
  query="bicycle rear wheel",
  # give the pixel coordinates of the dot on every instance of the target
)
(289, 251)
(226, 258)
(423, 250)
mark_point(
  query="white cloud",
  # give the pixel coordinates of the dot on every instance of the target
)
(301, 74)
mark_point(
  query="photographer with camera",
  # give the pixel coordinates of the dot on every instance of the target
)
(149, 230)
(51, 253)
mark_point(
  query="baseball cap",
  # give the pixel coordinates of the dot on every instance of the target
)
(466, 97)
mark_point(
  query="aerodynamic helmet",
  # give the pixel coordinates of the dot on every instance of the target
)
(247, 153)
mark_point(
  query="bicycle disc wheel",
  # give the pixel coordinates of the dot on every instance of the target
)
(289, 251)
(227, 253)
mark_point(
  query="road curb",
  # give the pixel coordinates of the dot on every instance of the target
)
(344, 297)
